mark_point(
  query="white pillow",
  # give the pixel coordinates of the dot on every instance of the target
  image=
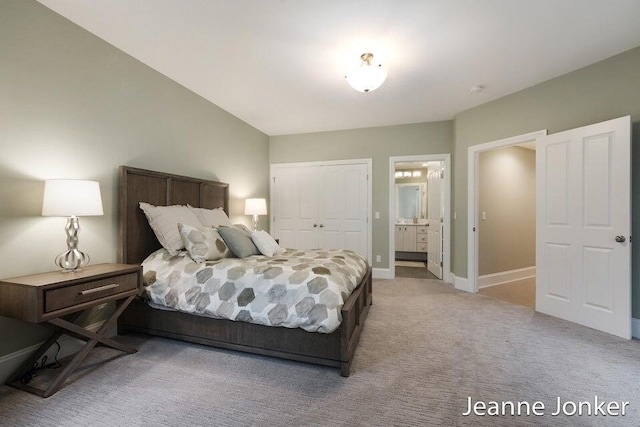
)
(164, 223)
(265, 243)
(211, 217)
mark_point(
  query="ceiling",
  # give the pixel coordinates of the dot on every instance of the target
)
(279, 65)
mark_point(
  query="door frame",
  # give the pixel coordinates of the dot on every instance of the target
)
(368, 162)
(446, 226)
(473, 208)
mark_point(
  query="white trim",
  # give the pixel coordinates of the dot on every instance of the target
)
(635, 327)
(320, 163)
(473, 156)
(382, 273)
(461, 283)
(68, 346)
(446, 226)
(368, 162)
(501, 277)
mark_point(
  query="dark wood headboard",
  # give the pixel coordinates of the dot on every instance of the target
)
(137, 240)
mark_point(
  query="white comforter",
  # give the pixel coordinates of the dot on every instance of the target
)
(304, 289)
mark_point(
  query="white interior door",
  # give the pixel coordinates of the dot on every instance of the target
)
(583, 253)
(294, 207)
(343, 207)
(435, 214)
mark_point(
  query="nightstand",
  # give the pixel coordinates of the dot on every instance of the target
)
(57, 299)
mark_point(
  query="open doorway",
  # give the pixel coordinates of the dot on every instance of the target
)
(583, 220)
(502, 219)
(419, 206)
(506, 231)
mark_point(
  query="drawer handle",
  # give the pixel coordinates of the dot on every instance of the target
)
(101, 288)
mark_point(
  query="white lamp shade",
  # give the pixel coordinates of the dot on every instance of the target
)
(70, 197)
(255, 207)
(367, 78)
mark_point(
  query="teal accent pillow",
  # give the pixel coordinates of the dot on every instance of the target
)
(239, 241)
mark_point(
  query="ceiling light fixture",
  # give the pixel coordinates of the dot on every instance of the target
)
(367, 77)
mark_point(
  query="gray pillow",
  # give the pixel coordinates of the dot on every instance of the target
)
(239, 241)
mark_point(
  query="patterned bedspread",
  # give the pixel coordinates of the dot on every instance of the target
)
(294, 289)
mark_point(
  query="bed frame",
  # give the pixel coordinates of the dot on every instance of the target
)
(137, 241)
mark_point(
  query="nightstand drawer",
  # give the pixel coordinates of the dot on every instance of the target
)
(68, 296)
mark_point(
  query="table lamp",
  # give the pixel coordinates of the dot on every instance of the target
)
(255, 207)
(71, 198)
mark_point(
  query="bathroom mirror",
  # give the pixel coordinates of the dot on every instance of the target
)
(410, 201)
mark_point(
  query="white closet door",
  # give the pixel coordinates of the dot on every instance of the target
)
(294, 207)
(435, 211)
(342, 207)
(321, 206)
(583, 250)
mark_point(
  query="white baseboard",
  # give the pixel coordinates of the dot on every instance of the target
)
(635, 328)
(506, 276)
(68, 346)
(461, 283)
(382, 273)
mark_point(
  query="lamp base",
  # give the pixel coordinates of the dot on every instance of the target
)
(73, 259)
(255, 222)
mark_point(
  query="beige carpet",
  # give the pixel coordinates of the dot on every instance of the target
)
(424, 350)
(521, 292)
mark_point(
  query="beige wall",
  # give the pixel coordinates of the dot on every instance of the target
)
(507, 195)
(376, 143)
(73, 106)
(599, 92)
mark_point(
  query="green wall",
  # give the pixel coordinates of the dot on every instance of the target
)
(376, 143)
(602, 91)
(73, 106)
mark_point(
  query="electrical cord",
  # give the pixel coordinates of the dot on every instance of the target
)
(31, 373)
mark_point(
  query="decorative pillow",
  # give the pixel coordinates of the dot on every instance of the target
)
(265, 243)
(164, 223)
(203, 243)
(243, 228)
(211, 217)
(239, 241)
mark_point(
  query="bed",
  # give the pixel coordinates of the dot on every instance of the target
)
(137, 241)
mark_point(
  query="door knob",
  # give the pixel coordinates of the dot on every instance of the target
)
(620, 239)
(321, 225)
(315, 225)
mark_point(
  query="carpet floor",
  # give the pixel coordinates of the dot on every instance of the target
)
(424, 350)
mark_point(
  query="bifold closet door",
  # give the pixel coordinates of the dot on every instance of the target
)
(321, 206)
(342, 209)
(294, 207)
